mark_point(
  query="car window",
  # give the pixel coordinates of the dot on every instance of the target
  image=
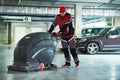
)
(119, 31)
(103, 31)
(90, 31)
(115, 31)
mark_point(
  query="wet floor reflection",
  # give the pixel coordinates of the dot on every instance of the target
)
(92, 67)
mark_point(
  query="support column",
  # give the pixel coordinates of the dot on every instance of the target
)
(78, 19)
(110, 21)
(9, 33)
(117, 21)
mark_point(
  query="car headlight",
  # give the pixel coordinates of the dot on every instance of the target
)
(82, 40)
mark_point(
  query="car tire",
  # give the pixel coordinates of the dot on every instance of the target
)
(92, 48)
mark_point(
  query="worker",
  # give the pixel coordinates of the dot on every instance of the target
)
(66, 32)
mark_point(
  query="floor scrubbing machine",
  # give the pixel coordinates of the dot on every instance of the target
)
(33, 49)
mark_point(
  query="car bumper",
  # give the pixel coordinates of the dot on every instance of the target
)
(81, 48)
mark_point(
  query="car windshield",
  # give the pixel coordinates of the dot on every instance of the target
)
(90, 32)
(103, 31)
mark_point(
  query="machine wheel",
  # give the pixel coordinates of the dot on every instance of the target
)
(92, 48)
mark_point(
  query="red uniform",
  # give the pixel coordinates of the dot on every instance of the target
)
(65, 26)
(67, 36)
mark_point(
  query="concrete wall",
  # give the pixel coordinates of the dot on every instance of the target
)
(20, 29)
(113, 21)
(3, 33)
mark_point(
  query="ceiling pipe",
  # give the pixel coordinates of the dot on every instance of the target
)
(57, 7)
(107, 3)
(29, 15)
(118, 3)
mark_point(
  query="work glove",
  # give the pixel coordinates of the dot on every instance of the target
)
(55, 34)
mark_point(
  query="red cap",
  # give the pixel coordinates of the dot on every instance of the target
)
(62, 9)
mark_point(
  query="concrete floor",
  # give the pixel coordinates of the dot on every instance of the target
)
(92, 67)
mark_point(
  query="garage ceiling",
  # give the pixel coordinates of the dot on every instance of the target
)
(68, 3)
(114, 4)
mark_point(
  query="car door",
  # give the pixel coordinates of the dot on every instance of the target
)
(112, 40)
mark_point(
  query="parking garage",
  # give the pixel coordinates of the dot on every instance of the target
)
(19, 18)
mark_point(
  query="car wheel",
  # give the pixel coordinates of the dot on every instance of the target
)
(92, 48)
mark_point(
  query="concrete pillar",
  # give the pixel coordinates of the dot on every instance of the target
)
(78, 19)
(117, 21)
(9, 33)
(110, 21)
